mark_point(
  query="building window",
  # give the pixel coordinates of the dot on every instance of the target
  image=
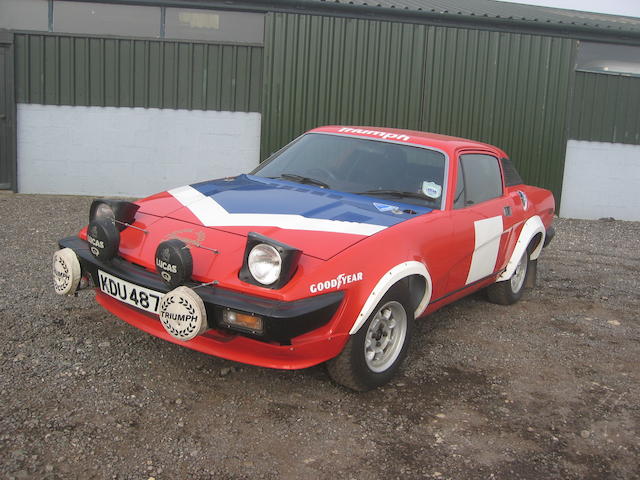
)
(132, 21)
(24, 14)
(214, 25)
(106, 19)
(608, 58)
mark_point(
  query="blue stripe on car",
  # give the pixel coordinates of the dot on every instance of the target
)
(257, 195)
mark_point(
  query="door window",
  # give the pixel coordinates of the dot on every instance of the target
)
(479, 180)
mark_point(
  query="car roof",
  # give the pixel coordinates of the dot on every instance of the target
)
(410, 137)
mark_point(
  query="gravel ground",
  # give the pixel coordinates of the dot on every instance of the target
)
(547, 388)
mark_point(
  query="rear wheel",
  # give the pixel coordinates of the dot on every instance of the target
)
(510, 291)
(373, 355)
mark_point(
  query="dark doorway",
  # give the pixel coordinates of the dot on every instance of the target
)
(7, 114)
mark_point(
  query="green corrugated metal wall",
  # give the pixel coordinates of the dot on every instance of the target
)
(511, 90)
(75, 70)
(508, 89)
(606, 108)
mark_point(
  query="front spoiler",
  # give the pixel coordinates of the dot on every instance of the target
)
(235, 347)
(283, 320)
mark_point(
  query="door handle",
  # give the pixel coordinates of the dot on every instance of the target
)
(2, 116)
(507, 211)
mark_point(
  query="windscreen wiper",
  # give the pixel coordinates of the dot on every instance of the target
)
(301, 179)
(395, 193)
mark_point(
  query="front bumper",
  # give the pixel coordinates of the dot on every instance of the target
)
(284, 321)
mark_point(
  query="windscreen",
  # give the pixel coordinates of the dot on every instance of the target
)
(369, 167)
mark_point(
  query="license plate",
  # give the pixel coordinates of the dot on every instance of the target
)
(129, 293)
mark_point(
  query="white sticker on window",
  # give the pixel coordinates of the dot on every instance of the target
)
(431, 189)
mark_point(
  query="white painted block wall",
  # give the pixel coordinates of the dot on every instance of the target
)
(130, 151)
(601, 180)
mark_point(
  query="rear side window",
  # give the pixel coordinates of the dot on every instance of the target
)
(511, 175)
(479, 180)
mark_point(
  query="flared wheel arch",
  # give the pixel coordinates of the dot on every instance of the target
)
(418, 283)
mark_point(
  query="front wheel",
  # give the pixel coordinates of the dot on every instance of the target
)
(510, 291)
(373, 355)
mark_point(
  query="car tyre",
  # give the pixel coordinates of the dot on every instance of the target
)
(373, 355)
(510, 291)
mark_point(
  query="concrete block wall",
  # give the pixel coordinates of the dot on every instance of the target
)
(601, 180)
(130, 151)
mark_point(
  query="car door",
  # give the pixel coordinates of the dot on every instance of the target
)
(483, 219)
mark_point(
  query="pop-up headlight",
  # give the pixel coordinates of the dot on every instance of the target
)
(268, 263)
(265, 263)
(119, 212)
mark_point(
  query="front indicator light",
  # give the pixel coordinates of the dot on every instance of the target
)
(242, 322)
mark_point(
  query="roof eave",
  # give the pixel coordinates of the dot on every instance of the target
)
(448, 19)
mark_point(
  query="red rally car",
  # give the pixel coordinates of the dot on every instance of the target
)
(327, 252)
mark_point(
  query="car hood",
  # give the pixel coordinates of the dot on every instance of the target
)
(320, 222)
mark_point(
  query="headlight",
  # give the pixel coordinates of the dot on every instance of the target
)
(265, 263)
(104, 211)
(119, 212)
